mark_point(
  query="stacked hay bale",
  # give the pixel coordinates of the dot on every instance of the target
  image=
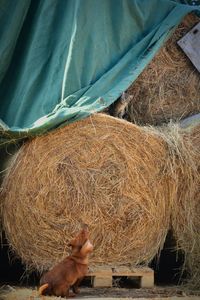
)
(168, 90)
(169, 87)
(127, 182)
(184, 167)
(186, 208)
(102, 171)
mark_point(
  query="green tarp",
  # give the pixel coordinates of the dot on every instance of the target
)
(62, 60)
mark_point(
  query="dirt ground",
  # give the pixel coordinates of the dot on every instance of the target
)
(165, 293)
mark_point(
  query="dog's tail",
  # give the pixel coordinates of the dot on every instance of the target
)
(43, 288)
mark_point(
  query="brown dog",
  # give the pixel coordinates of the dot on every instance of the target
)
(69, 272)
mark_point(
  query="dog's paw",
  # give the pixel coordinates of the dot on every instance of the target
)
(71, 295)
(76, 290)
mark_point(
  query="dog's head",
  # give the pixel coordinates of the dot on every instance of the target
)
(81, 244)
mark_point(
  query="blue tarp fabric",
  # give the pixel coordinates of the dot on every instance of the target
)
(62, 60)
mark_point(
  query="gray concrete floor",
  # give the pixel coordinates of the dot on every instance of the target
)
(156, 293)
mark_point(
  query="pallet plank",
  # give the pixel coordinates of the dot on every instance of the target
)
(102, 281)
(102, 276)
(147, 281)
(122, 270)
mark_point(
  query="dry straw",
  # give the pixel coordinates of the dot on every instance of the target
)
(102, 171)
(184, 167)
(169, 87)
(126, 182)
(186, 209)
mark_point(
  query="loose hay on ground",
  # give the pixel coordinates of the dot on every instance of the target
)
(102, 171)
(169, 87)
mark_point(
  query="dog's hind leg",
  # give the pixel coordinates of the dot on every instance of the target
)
(69, 294)
(75, 288)
(63, 291)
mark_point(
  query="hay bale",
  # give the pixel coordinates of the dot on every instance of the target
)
(102, 171)
(183, 165)
(186, 208)
(169, 87)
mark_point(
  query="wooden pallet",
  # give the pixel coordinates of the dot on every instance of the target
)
(103, 276)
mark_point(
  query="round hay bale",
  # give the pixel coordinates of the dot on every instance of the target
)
(183, 165)
(169, 87)
(102, 171)
(186, 208)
